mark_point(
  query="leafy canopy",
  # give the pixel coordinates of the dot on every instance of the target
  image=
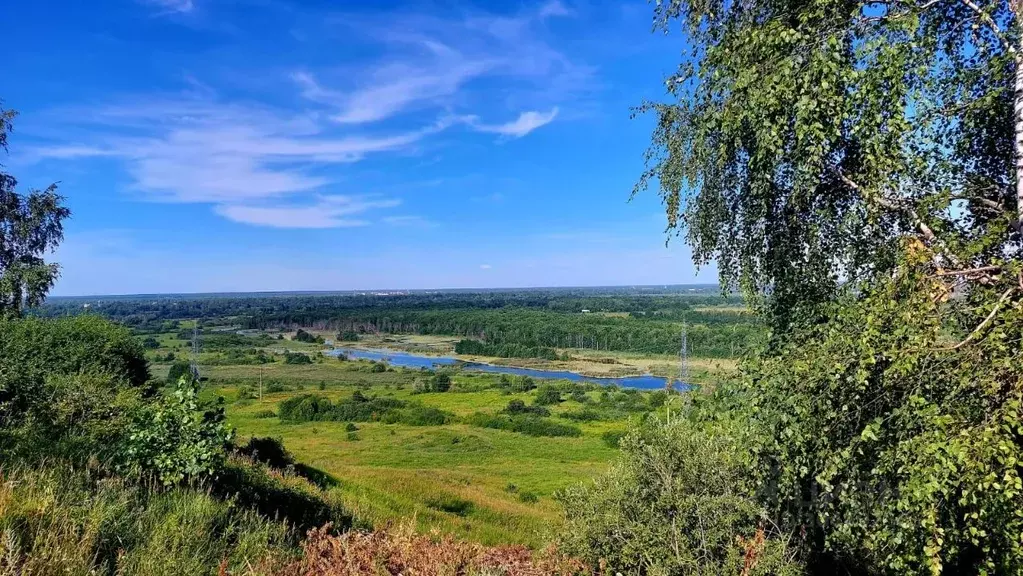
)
(30, 226)
(855, 168)
(806, 139)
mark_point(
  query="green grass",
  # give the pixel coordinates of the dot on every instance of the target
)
(58, 520)
(395, 471)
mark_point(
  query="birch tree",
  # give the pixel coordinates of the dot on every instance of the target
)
(856, 168)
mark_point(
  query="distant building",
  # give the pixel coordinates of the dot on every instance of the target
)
(585, 311)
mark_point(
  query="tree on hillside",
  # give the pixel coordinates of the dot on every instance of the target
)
(30, 226)
(856, 169)
(821, 141)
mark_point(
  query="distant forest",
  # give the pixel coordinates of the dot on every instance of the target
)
(613, 319)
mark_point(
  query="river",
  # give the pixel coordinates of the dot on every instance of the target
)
(408, 360)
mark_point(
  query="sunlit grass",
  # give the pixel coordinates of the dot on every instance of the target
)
(393, 471)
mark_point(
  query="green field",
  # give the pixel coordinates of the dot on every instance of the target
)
(393, 471)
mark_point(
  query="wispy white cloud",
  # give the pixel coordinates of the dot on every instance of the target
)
(203, 151)
(272, 164)
(524, 124)
(435, 62)
(485, 266)
(553, 8)
(328, 212)
(391, 89)
(172, 5)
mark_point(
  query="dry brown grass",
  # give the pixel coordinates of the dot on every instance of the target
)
(402, 551)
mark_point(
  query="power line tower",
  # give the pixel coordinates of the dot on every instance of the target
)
(193, 362)
(683, 357)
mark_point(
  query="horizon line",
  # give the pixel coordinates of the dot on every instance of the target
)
(371, 290)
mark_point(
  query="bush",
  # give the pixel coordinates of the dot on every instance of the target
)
(440, 382)
(580, 397)
(359, 408)
(297, 358)
(519, 407)
(269, 451)
(523, 384)
(613, 438)
(417, 415)
(677, 502)
(451, 505)
(177, 371)
(150, 343)
(528, 497)
(584, 415)
(547, 395)
(525, 424)
(32, 348)
(174, 438)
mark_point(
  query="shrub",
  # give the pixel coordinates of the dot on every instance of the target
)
(269, 451)
(657, 398)
(584, 415)
(150, 343)
(528, 497)
(440, 382)
(359, 408)
(177, 371)
(297, 358)
(451, 505)
(417, 415)
(677, 502)
(523, 384)
(547, 395)
(528, 425)
(519, 407)
(31, 349)
(174, 438)
(613, 438)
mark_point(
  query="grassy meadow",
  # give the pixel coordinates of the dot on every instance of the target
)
(477, 483)
(487, 485)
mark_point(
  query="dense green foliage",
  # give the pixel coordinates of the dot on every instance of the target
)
(58, 521)
(526, 323)
(103, 357)
(855, 168)
(297, 358)
(174, 438)
(888, 449)
(31, 225)
(677, 502)
(358, 408)
(303, 336)
(528, 424)
(480, 348)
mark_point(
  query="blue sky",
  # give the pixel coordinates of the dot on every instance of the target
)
(244, 145)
